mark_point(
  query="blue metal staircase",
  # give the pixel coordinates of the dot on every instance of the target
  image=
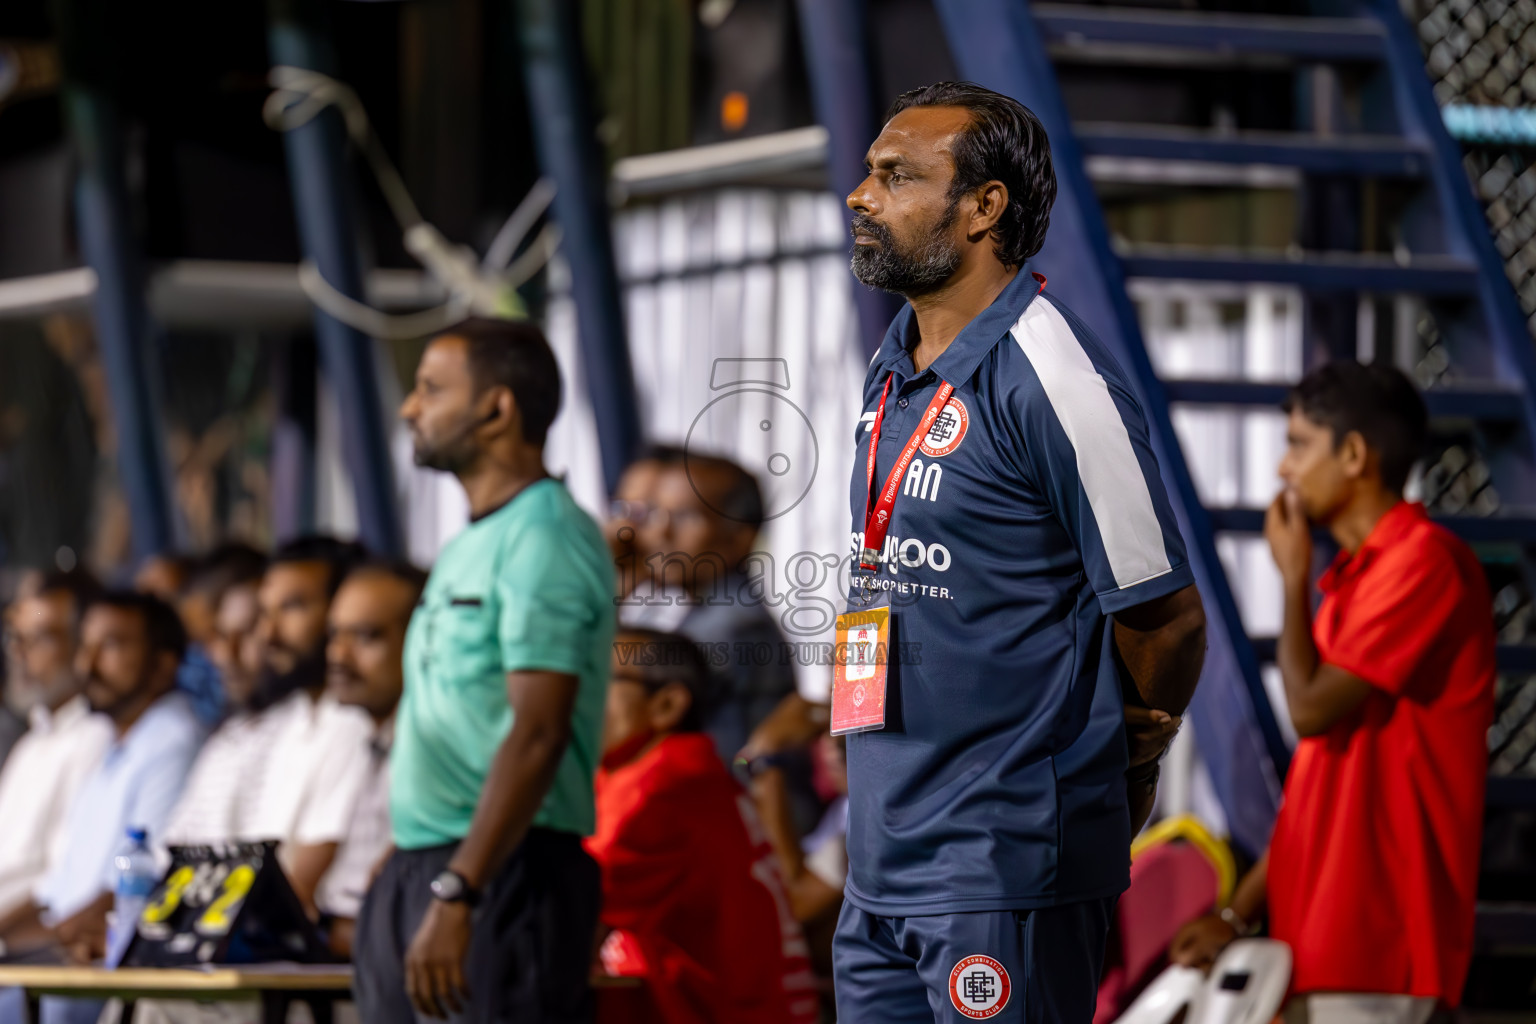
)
(1369, 114)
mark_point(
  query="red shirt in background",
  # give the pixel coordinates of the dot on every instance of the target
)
(1373, 863)
(695, 895)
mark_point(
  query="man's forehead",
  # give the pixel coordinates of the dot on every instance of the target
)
(48, 604)
(370, 595)
(286, 577)
(103, 618)
(447, 353)
(920, 133)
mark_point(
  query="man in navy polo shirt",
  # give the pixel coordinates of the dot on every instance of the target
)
(1013, 522)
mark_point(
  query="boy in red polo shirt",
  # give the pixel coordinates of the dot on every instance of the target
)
(692, 893)
(1371, 874)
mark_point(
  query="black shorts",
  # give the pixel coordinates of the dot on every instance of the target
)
(530, 954)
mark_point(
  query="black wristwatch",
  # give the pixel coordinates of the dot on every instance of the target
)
(450, 887)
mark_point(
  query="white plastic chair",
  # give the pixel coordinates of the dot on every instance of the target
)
(1247, 986)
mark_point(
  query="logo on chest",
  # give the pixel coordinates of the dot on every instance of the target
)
(947, 431)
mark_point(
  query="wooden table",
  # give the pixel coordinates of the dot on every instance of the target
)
(275, 986)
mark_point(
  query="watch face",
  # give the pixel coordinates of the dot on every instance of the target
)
(448, 886)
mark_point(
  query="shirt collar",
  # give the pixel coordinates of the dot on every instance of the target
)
(1389, 529)
(43, 721)
(956, 364)
(383, 738)
(169, 705)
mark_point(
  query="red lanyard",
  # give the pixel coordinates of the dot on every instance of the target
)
(877, 514)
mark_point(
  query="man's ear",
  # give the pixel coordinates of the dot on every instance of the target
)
(669, 706)
(1354, 455)
(991, 203)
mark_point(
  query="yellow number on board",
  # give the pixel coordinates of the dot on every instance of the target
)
(215, 920)
(169, 900)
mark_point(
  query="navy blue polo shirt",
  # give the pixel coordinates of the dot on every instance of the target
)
(1032, 511)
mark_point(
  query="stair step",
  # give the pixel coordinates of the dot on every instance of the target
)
(1367, 155)
(1472, 529)
(1483, 401)
(1315, 271)
(1512, 657)
(1512, 791)
(1328, 39)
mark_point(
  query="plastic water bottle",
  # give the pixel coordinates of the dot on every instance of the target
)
(136, 877)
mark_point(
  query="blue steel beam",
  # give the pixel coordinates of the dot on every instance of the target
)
(996, 43)
(1328, 39)
(1387, 156)
(322, 198)
(1318, 271)
(566, 132)
(837, 61)
(122, 319)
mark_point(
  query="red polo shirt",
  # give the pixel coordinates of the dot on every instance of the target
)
(695, 896)
(1373, 863)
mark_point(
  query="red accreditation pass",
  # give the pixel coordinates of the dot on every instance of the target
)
(858, 673)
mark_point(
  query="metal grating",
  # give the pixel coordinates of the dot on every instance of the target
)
(1478, 51)
(1512, 738)
(1483, 53)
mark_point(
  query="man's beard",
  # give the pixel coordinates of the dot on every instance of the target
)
(917, 270)
(308, 673)
(453, 457)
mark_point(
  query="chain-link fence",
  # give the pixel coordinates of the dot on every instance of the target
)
(1483, 53)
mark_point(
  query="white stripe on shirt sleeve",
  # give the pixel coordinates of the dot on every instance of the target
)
(1111, 476)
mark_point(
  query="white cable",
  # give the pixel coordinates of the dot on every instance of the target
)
(527, 214)
(373, 322)
(298, 97)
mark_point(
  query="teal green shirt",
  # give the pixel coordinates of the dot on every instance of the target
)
(527, 587)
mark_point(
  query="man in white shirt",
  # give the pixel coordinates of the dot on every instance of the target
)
(62, 746)
(364, 669)
(130, 648)
(291, 767)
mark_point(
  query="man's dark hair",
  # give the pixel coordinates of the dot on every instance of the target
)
(415, 579)
(1005, 142)
(515, 355)
(742, 498)
(229, 565)
(338, 556)
(161, 623)
(665, 454)
(662, 658)
(1376, 401)
(78, 583)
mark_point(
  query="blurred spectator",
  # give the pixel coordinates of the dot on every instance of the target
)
(497, 737)
(1371, 873)
(816, 866)
(130, 646)
(364, 667)
(702, 524)
(42, 629)
(627, 513)
(208, 580)
(233, 646)
(692, 892)
(63, 745)
(292, 765)
(194, 587)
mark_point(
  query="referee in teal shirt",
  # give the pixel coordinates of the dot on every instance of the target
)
(487, 907)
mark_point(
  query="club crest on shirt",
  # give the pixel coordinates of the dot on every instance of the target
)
(979, 988)
(947, 431)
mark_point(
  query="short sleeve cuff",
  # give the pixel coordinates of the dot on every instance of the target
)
(541, 658)
(1369, 673)
(1149, 589)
